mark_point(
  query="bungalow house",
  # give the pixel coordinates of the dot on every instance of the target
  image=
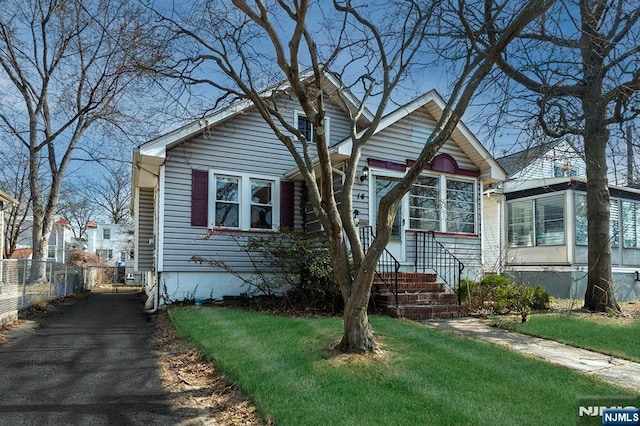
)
(228, 173)
(536, 224)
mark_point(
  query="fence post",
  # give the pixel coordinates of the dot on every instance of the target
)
(24, 284)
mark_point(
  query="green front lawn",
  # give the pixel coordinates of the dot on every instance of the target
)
(426, 377)
(614, 336)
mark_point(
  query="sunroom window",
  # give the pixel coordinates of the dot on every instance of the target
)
(538, 222)
(550, 221)
(521, 223)
(582, 224)
(631, 224)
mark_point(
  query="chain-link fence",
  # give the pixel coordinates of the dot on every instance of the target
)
(19, 289)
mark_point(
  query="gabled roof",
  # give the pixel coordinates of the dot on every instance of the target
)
(517, 161)
(334, 88)
(435, 105)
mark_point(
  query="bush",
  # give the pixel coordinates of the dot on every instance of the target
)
(541, 298)
(497, 294)
(294, 268)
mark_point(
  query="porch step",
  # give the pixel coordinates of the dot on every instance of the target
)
(427, 312)
(417, 298)
(410, 281)
(420, 297)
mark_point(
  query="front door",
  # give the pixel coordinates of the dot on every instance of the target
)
(382, 185)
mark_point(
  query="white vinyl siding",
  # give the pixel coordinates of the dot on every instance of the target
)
(145, 245)
(244, 145)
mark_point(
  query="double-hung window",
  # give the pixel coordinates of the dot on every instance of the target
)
(227, 201)
(442, 203)
(243, 201)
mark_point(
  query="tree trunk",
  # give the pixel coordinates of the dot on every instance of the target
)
(599, 295)
(358, 334)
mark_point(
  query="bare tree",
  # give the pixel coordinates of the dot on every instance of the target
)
(70, 66)
(110, 193)
(580, 68)
(77, 209)
(113, 194)
(373, 47)
(14, 180)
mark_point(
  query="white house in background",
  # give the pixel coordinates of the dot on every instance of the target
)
(228, 173)
(536, 224)
(113, 243)
(6, 202)
(61, 241)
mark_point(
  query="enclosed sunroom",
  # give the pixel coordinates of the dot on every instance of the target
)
(546, 236)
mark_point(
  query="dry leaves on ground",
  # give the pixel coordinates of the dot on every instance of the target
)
(200, 394)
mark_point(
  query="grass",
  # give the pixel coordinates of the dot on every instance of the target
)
(426, 377)
(614, 336)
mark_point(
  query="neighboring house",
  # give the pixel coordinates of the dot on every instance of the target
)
(6, 202)
(536, 224)
(228, 173)
(61, 241)
(112, 243)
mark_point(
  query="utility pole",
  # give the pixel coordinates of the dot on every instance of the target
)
(630, 177)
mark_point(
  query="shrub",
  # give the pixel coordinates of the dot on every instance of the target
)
(293, 268)
(497, 294)
(541, 298)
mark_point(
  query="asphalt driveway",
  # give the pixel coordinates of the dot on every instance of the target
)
(91, 364)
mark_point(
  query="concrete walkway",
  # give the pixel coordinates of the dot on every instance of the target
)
(613, 370)
(90, 363)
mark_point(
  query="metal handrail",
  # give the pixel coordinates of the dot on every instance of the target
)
(388, 265)
(430, 251)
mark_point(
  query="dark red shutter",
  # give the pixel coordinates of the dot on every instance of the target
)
(199, 197)
(287, 214)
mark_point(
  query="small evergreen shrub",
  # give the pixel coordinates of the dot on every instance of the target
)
(497, 294)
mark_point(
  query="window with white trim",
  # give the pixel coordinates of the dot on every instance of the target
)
(261, 204)
(305, 126)
(631, 224)
(243, 202)
(442, 203)
(227, 202)
(582, 238)
(537, 222)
